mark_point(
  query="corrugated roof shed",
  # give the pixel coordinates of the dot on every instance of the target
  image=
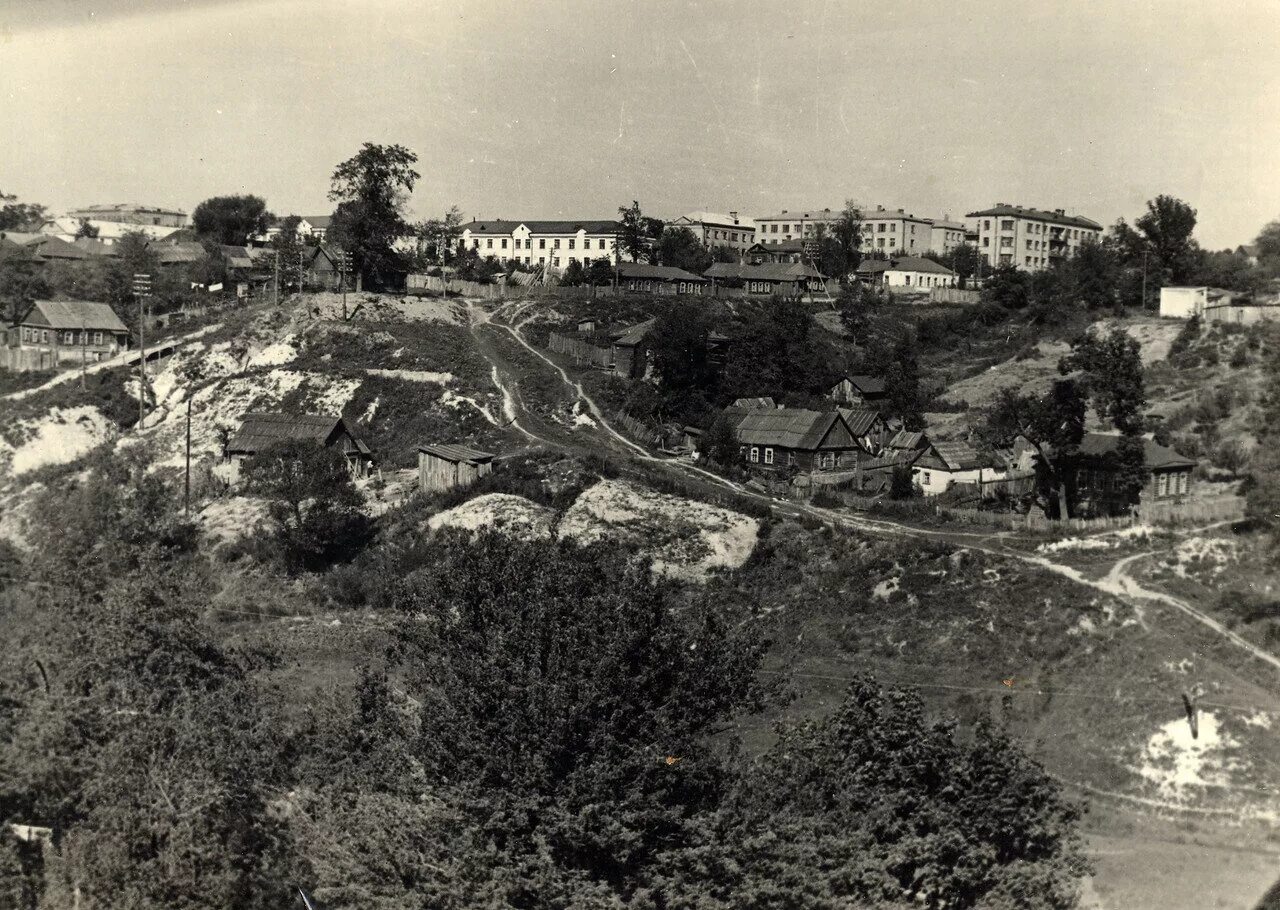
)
(791, 428)
(259, 430)
(76, 314)
(456, 453)
(860, 420)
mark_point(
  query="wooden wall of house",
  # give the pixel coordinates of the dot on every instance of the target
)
(436, 475)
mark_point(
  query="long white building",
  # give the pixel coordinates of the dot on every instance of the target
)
(554, 243)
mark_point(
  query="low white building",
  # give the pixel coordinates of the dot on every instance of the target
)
(946, 463)
(553, 243)
(1185, 302)
(108, 232)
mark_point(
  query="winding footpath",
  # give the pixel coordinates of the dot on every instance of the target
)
(1117, 582)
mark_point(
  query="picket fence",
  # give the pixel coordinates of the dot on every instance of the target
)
(583, 352)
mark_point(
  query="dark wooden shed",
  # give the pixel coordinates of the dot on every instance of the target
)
(445, 466)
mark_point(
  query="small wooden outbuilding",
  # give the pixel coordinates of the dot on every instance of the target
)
(445, 466)
(259, 431)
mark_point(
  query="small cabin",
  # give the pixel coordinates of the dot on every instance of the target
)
(445, 466)
(259, 431)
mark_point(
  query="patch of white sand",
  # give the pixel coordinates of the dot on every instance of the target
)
(1176, 762)
(229, 519)
(686, 539)
(61, 436)
(503, 512)
(275, 355)
(416, 375)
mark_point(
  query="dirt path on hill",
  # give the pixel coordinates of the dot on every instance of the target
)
(1116, 582)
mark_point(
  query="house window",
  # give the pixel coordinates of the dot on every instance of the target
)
(586, 244)
(475, 244)
(542, 244)
(1006, 225)
(1162, 484)
(97, 338)
(44, 336)
(768, 455)
(556, 243)
(791, 458)
(986, 241)
(1183, 479)
(924, 477)
(488, 243)
(828, 460)
(504, 243)
(755, 454)
(70, 338)
(571, 242)
(882, 227)
(986, 225)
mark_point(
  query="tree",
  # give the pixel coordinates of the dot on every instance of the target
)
(633, 236)
(86, 230)
(1262, 499)
(371, 189)
(720, 444)
(965, 260)
(574, 274)
(1167, 226)
(1268, 242)
(680, 345)
(600, 272)
(20, 216)
(1053, 423)
(1112, 376)
(314, 506)
(847, 233)
(440, 236)
(22, 282)
(231, 220)
(289, 251)
(679, 247)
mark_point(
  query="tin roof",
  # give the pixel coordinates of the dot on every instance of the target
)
(260, 430)
(456, 453)
(1154, 454)
(76, 314)
(860, 420)
(659, 272)
(791, 428)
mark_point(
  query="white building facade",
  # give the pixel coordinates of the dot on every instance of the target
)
(714, 229)
(1031, 239)
(895, 232)
(553, 243)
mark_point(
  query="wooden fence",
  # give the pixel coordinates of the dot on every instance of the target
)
(952, 295)
(583, 352)
(637, 430)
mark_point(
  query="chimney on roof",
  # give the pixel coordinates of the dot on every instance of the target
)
(784, 211)
(1059, 212)
(734, 216)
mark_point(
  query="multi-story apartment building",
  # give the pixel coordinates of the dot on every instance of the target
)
(131, 213)
(789, 225)
(554, 243)
(714, 229)
(946, 235)
(893, 231)
(1029, 238)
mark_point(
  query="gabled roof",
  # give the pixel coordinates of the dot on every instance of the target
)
(717, 219)
(789, 428)
(177, 253)
(755, 404)
(1018, 211)
(873, 266)
(658, 272)
(860, 420)
(867, 385)
(490, 227)
(456, 453)
(318, 221)
(74, 314)
(503, 226)
(958, 455)
(95, 247)
(634, 335)
(918, 264)
(1154, 454)
(880, 213)
(45, 246)
(906, 439)
(260, 430)
(765, 271)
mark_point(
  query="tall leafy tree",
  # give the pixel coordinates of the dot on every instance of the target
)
(678, 246)
(20, 216)
(288, 246)
(439, 236)
(1268, 242)
(1168, 226)
(22, 281)
(231, 220)
(633, 237)
(372, 189)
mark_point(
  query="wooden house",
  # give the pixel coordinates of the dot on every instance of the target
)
(1093, 483)
(794, 438)
(446, 466)
(659, 279)
(944, 464)
(56, 333)
(868, 426)
(259, 431)
(767, 279)
(860, 391)
(630, 349)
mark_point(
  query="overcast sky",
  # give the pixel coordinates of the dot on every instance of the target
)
(566, 109)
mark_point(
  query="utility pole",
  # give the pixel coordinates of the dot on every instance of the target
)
(186, 488)
(84, 353)
(277, 283)
(1144, 279)
(142, 291)
(344, 266)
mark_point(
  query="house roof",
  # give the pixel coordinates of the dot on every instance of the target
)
(45, 246)
(456, 453)
(1155, 455)
(96, 247)
(318, 221)
(765, 271)
(718, 219)
(905, 439)
(860, 420)
(873, 266)
(1018, 211)
(958, 455)
(634, 335)
(880, 213)
(867, 385)
(259, 430)
(502, 226)
(117, 208)
(1249, 249)
(795, 245)
(658, 272)
(177, 253)
(917, 264)
(76, 314)
(948, 224)
(790, 428)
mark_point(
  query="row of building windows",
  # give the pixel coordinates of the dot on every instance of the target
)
(717, 234)
(542, 243)
(1036, 227)
(41, 336)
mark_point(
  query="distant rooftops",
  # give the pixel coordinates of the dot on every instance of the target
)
(1057, 216)
(731, 220)
(503, 226)
(803, 215)
(124, 208)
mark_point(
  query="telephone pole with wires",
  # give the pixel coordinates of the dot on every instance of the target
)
(141, 293)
